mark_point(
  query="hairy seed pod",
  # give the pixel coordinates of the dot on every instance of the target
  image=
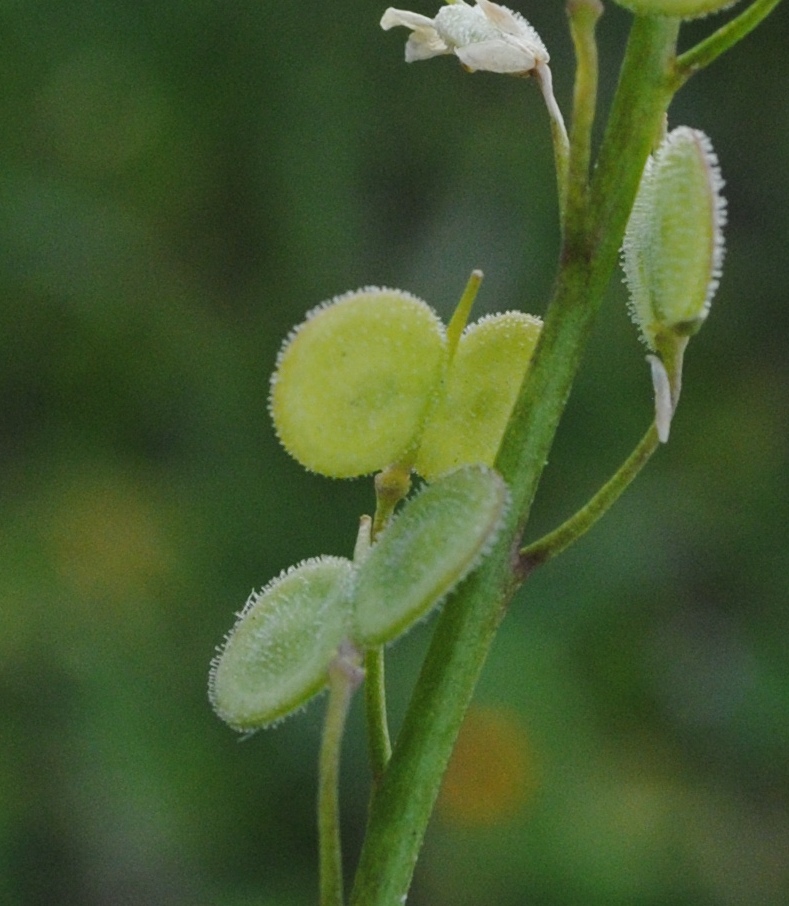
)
(277, 655)
(438, 537)
(679, 9)
(354, 382)
(479, 393)
(673, 248)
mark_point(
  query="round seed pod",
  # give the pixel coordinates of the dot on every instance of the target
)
(479, 393)
(277, 655)
(673, 248)
(354, 381)
(679, 9)
(438, 537)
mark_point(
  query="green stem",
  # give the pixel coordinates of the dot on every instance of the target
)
(630, 136)
(722, 40)
(344, 677)
(374, 686)
(402, 803)
(552, 544)
(583, 15)
(391, 486)
(378, 741)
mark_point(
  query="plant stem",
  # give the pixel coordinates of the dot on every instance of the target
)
(344, 677)
(374, 686)
(583, 15)
(391, 486)
(722, 40)
(402, 804)
(552, 544)
(378, 742)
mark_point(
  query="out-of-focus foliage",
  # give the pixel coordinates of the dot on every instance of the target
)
(179, 183)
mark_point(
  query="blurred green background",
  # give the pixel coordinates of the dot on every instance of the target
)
(179, 183)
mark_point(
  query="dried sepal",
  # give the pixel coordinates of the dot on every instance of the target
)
(438, 537)
(277, 655)
(354, 381)
(664, 404)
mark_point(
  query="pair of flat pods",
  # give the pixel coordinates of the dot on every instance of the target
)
(278, 654)
(370, 379)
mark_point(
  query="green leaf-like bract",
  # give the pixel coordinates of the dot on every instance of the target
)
(439, 536)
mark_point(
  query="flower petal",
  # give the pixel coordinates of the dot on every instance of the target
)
(393, 17)
(513, 24)
(423, 44)
(504, 19)
(496, 55)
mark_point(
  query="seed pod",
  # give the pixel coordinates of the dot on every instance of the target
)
(481, 386)
(673, 247)
(679, 9)
(277, 655)
(438, 537)
(354, 381)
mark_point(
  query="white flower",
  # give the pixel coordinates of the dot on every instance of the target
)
(484, 37)
(490, 38)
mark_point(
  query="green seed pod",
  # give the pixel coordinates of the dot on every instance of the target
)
(678, 9)
(673, 247)
(354, 381)
(438, 537)
(277, 655)
(481, 386)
